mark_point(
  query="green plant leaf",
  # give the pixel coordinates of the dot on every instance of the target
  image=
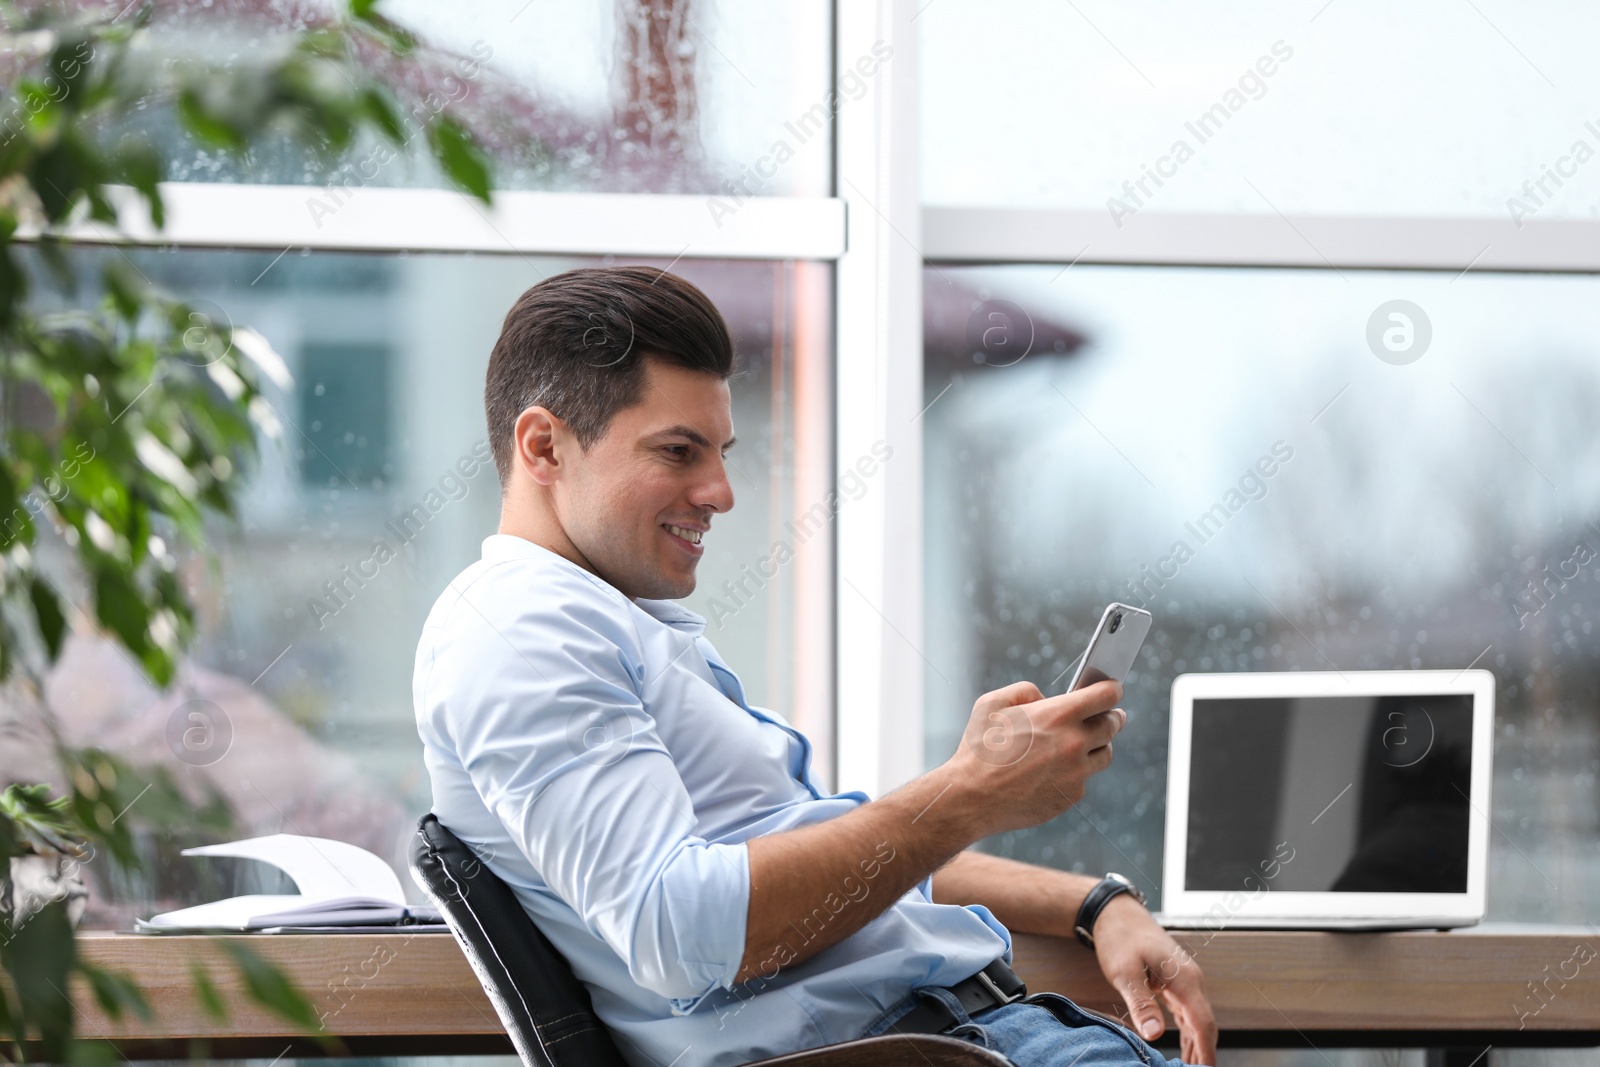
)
(69, 63)
(16, 524)
(138, 165)
(53, 255)
(460, 157)
(206, 125)
(206, 991)
(125, 289)
(381, 111)
(34, 821)
(115, 993)
(56, 179)
(271, 988)
(118, 604)
(47, 613)
(39, 958)
(395, 37)
(92, 1054)
(10, 1022)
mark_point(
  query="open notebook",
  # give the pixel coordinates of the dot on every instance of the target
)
(342, 887)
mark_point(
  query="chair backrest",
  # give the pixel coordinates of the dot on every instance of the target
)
(545, 1009)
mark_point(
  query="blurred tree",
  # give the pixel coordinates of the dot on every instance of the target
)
(656, 120)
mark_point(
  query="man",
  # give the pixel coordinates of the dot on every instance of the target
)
(586, 740)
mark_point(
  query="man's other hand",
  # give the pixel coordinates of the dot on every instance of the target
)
(1144, 964)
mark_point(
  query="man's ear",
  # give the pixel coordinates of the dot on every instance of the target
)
(541, 443)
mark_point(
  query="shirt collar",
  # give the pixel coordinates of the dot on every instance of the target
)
(500, 547)
(673, 614)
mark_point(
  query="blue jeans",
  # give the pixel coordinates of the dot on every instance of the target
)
(1040, 1030)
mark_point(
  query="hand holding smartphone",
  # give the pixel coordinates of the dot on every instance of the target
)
(1013, 793)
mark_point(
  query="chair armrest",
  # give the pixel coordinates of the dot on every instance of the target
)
(893, 1050)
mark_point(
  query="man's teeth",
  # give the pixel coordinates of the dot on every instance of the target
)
(692, 536)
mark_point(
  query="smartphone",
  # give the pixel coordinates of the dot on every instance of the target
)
(1114, 646)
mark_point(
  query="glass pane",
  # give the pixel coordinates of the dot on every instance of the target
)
(306, 653)
(1283, 494)
(678, 96)
(1341, 107)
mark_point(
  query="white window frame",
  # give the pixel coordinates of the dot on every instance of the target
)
(878, 386)
(1010, 235)
(281, 217)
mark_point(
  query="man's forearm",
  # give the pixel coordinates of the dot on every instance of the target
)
(813, 887)
(1027, 899)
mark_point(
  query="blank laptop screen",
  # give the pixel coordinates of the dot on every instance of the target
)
(1330, 794)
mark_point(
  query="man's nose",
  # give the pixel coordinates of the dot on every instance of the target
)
(715, 493)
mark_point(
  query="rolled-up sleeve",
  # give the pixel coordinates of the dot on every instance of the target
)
(552, 730)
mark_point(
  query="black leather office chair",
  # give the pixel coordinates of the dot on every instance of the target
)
(546, 1010)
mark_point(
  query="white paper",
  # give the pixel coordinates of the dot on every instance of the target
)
(340, 884)
(320, 867)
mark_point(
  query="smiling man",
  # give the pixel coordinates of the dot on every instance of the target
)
(590, 745)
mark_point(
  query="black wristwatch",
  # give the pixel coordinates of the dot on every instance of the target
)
(1095, 903)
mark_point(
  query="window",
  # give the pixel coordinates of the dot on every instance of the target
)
(383, 289)
(1432, 502)
(308, 627)
(655, 97)
(1325, 108)
(1426, 515)
(344, 407)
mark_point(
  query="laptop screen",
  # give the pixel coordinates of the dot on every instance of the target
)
(1365, 794)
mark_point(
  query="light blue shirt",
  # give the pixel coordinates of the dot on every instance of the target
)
(597, 754)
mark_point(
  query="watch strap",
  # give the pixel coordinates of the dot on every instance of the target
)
(1104, 891)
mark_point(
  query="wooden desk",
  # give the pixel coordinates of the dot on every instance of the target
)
(414, 994)
(1287, 989)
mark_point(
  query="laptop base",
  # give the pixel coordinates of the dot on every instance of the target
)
(1366, 923)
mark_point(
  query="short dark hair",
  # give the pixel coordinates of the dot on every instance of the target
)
(576, 344)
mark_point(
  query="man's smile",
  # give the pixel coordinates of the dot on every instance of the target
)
(687, 537)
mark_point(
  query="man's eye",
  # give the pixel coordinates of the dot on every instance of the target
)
(680, 451)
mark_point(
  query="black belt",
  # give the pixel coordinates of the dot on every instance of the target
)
(991, 987)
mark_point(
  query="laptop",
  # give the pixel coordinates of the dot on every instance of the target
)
(1353, 800)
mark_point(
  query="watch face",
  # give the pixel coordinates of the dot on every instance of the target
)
(1133, 890)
